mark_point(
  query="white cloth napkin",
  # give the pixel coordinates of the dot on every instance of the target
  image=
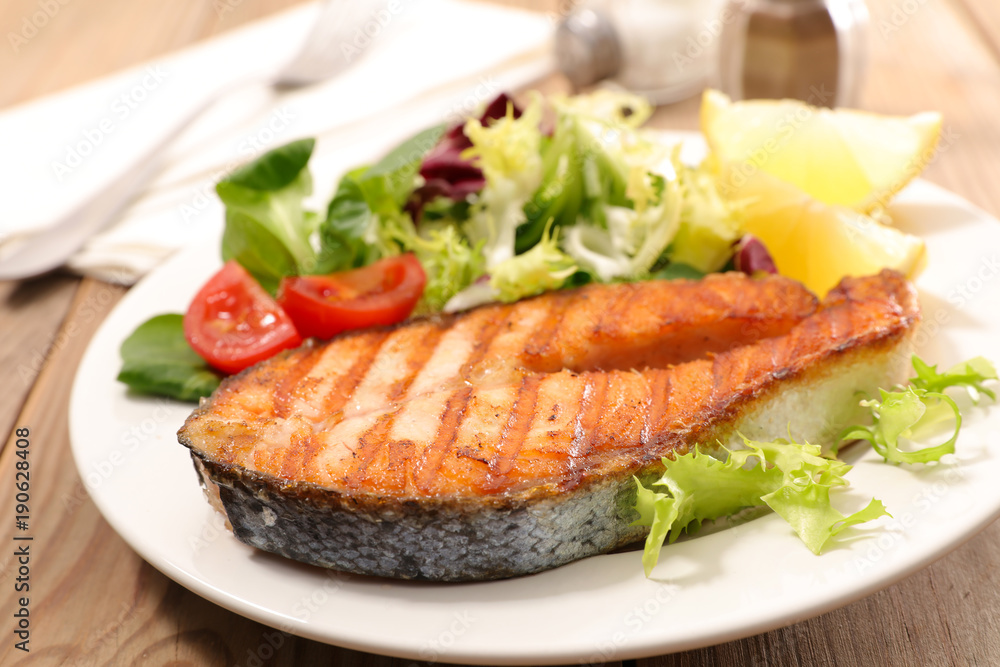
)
(426, 62)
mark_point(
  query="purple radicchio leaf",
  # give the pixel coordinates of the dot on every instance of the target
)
(446, 173)
(751, 256)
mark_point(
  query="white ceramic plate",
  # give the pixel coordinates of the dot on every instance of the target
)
(711, 589)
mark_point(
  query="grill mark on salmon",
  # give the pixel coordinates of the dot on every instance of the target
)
(537, 351)
(374, 443)
(456, 405)
(335, 400)
(511, 464)
(659, 398)
(343, 390)
(454, 412)
(484, 340)
(512, 435)
(584, 429)
(285, 392)
(354, 392)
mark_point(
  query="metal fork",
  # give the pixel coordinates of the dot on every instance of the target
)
(319, 58)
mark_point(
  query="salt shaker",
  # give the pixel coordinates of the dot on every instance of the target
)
(811, 50)
(662, 49)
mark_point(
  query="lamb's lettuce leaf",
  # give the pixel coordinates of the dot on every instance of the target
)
(387, 184)
(349, 221)
(363, 218)
(156, 359)
(267, 229)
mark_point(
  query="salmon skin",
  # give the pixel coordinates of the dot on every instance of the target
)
(503, 441)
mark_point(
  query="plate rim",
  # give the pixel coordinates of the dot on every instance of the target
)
(636, 648)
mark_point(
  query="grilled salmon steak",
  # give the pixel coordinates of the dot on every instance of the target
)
(503, 441)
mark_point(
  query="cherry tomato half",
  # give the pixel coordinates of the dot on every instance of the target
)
(232, 323)
(384, 292)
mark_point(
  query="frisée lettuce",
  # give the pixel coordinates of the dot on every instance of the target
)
(792, 479)
(796, 480)
(544, 267)
(915, 412)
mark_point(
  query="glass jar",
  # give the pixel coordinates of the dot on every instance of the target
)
(811, 50)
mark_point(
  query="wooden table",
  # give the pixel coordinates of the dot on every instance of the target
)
(94, 601)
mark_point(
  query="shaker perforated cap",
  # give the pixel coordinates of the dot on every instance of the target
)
(587, 47)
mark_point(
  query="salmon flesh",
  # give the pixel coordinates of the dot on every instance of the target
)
(503, 441)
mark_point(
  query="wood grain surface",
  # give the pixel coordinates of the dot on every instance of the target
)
(95, 602)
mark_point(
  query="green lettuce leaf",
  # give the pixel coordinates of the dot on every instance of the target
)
(969, 374)
(344, 235)
(587, 161)
(709, 224)
(388, 183)
(507, 151)
(792, 479)
(899, 416)
(607, 186)
(450, 263)
(808, 511)
(267, 229)
(156, 359)
(544, 267)
(363, 220)
(632, 240)
(916, 412)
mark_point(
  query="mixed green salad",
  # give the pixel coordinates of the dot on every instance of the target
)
(509, 204)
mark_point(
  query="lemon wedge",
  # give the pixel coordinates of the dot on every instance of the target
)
(818, 244)
(844, 157)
